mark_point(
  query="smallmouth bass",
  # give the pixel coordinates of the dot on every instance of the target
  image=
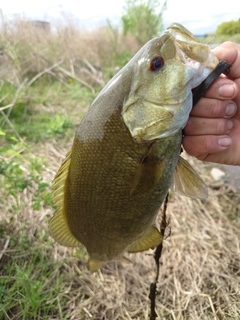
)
(126, 151)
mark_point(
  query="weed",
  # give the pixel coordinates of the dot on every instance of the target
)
(29, 288)
(15, 177)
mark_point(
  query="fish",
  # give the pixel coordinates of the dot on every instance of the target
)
(126, 151)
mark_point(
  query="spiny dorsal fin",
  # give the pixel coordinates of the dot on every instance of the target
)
(58, 224)
(187, 182)
(150, 239)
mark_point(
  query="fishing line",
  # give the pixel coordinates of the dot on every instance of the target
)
(157, 256)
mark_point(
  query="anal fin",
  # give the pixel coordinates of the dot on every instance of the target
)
(148, 174)
(150, 239)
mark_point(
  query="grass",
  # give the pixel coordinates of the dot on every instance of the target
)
(31, 289)
(47, 83)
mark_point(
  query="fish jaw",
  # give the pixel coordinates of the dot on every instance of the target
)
(192, 52)
(192, 47)
(159, 102)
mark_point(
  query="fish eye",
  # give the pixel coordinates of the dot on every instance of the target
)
(156, 63)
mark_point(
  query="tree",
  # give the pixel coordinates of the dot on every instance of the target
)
(228, 28)
(143, 19)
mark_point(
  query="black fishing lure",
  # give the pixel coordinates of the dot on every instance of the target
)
(222, 67)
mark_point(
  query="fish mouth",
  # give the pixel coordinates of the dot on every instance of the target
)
(190, 50)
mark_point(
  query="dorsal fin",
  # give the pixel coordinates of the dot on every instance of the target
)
(187, 182)
(58, 225)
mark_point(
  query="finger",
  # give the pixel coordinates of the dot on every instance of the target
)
(201, 146)
(207, 126)
(214, 108)
(222, 88)
(230, 52)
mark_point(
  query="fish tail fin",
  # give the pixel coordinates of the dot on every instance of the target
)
(58, 225)
(94, 265)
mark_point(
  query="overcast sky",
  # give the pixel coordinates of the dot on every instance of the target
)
(199, 16)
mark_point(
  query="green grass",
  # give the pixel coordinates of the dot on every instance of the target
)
(15, 179)
(44, 111)
(31, 283)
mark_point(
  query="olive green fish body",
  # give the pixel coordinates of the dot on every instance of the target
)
(125, 154)
(120, 186)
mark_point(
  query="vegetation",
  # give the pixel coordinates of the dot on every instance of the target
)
(143, 19)
(229, 28)
(47, 81)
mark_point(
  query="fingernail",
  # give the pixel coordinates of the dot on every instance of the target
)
(230, 110)
(224, 141)
(226, 90)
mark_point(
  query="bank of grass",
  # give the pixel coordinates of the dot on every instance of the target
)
(48, 80)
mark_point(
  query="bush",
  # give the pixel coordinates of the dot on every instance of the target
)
(142, 20)
(228, 28)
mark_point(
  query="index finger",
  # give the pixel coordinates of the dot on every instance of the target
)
(230, 52)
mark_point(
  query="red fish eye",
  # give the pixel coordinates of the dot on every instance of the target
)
(156, 63)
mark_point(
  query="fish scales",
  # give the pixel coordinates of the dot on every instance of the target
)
(113, 205)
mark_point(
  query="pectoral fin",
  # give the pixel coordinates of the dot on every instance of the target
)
(150, 239)
(148, 173)
(187, 182)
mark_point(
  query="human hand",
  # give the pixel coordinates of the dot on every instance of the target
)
(212, 132)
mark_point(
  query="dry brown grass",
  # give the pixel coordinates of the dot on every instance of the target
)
(27, 50)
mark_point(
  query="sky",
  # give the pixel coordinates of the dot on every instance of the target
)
(199, 16)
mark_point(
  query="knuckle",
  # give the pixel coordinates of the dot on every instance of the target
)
(222, 126)
(209, 144)
(206, 144)
(217, 108)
